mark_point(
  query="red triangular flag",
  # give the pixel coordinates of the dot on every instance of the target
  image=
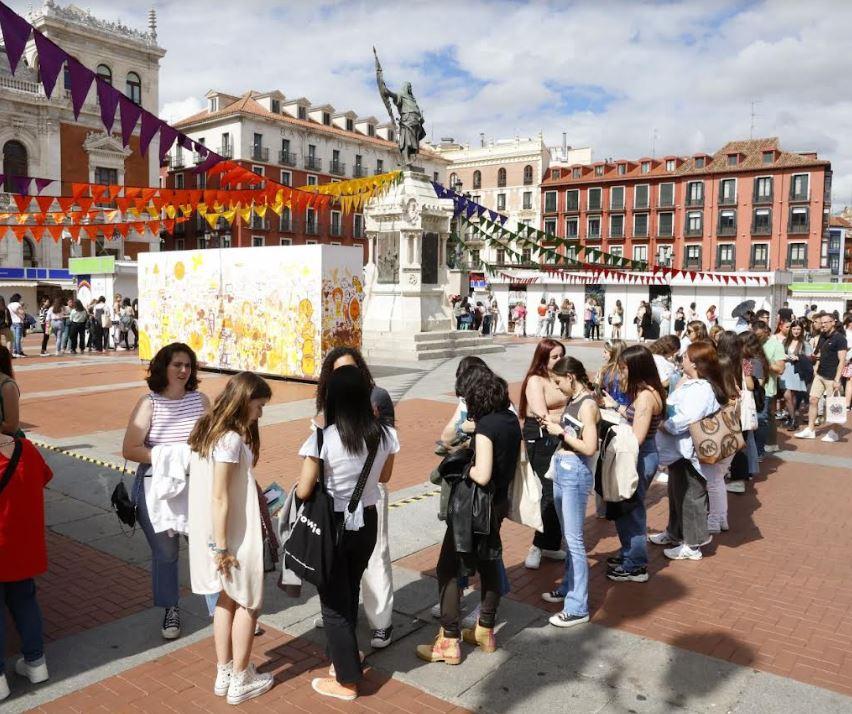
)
(114, 190)
(65, 203)
(56, 232)
(23, 202)
(78, 189)
(98, 190)
(44, 203)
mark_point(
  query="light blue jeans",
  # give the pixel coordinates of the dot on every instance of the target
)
(164, 551)
(571, 487)
(17, 337)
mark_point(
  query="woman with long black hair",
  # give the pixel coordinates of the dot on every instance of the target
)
(352, 433)
(646, 410)
(496, 443)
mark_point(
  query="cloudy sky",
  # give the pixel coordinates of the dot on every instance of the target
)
(621, 77)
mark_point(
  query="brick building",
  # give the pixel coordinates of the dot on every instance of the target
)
(750, 206)
(292, 142)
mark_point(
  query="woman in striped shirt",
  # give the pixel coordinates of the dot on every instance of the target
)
(166, 415)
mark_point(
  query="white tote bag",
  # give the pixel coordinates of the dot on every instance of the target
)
(748, 409)
(525, 495)
(835, 410)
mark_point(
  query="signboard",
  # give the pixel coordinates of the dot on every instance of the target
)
(100, 265)
(275, 310)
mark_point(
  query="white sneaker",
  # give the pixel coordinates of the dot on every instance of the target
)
(662, 477)
(223, 678)
(735, 487)
(318, 623)
(171, 624)
(683, 552)
(831, 437)
(436, 610)
(554, 554)
(248, 684)
(36, 671)
(470, 620)
(533, 559)
(662, 539)
(771, 448)
(4, 687)
(805, 434)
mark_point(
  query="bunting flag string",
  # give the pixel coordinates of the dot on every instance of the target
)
(92, 230)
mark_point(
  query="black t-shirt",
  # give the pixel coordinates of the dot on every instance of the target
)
(828, 347)
(786, 314)
(504, 431)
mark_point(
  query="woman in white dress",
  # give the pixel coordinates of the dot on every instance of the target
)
(225, 532)
(665, 321)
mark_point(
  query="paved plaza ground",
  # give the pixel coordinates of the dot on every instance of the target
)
(762, 624)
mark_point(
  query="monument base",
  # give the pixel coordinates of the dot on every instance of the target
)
(394, 347)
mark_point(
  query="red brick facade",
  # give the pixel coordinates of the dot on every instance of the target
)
(750, 206)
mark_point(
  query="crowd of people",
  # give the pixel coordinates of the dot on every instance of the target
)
(643, 415)
(75, 328)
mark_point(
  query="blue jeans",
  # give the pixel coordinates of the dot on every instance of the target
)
(17, 337)
(505, 585)
(164, 552)
(20, 599)
(632, 526)
(751, 453)
(571, 487)
(762, 427)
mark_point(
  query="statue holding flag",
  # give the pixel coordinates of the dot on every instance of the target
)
(410, 124)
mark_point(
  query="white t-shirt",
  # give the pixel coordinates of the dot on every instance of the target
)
(13, 307)
(664, 368)
(342, 469)
(229, 449)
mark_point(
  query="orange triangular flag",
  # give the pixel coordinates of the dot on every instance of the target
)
(65, 203)
(78, 189)
(122, 203)
(75, 232)
(23, 202)
(114, 190)
(97, 190)
(20, 232)
(154, 227)
(56, 232)
(132, 192)
(85, 204)
(148, 193)
(139, 227)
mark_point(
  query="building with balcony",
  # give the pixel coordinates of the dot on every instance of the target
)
(295, 143)
(840, 246)
(40, 138)
(751, 206)
(504, 175)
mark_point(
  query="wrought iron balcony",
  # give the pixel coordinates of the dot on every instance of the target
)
(726, 230)
(360, 171)
(285, 225)
(286, 158)
(725, 265)
(692, 263)
(761, 229)
(313, 163)
(260, 153)
(759, 200)
(665, 236)
(759, 265)
(694, 232)
(694, 201)
(798, 227)
(798, 195)
(226, 151)
(176, 161)
(311, 228)
(727, 200)
(338, 168)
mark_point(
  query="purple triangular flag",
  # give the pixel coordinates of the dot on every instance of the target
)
(42, 183)
(150, 125)
(480, 210)
(186, 142)
(200, 149)
(16, 32)
(492, 215)
(130, 112)
(167, 139)
(81, 82)
(23, 184)
(50, 61)
(212, 159)
(503, 220)
(470, 209)
(108, 100)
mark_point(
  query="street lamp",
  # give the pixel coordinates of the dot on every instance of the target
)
(455, 259)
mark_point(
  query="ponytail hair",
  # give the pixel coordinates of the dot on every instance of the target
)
(571, 365)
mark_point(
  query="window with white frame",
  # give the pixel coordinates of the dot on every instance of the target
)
(695, 193)
(550, 226)
(759, 256)
(640, 252)
(572, 200)
(201, 241)
(664, 255)
(646, 167)
(694, 223)
(310, 241)
(799, 187)
(799, 220)
(640, 196)
(762, 221)
(593, 199)
(622, 169)
(572, 227)
(692, 256)
(549, 201)
(527, 200)
(178, 180)
(616, 198)
(312, 180)
(179, 243)
(358, 226)
(640, 225)
(501, 256)
(725, 255)
(671, 164)
(285, 241)
(727, 191)
(257, 170)
(257, 241)
(763, 189)
(286, 178)
(225, 241)
(665, 225)
(593, 227)
(666, 194)
(617, 250)
(501, 201)
(335, 223)
(616, 225)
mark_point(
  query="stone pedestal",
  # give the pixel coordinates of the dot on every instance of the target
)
(407, 316)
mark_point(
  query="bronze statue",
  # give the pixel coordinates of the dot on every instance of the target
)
(410, 124)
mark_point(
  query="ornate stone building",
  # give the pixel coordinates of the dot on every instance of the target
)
(39, 137)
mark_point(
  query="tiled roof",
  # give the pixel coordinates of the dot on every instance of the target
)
(839, 222)
(247, 105)
(750, 159)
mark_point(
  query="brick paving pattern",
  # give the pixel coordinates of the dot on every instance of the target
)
(182, 681)
(84, 588)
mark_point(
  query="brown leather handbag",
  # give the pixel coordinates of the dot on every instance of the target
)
(719, 435)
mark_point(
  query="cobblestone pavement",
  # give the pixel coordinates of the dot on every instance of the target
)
(763, 623)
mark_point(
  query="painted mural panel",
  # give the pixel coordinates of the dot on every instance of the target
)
(273, 310)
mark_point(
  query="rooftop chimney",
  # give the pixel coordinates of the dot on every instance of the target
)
(564, 145)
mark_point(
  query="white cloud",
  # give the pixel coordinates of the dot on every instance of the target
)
(687, 69)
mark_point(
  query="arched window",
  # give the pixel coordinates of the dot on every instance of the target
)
(105, 73)
(454, 179)
(15, 163)
(134, 88)
(28, 250)
(528, 175)
(477, 179)
(501, 178)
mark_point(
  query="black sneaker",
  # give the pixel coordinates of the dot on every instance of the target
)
(553, 596)
(381, 638)
(171, 624)
(614, 561)
(637, 575)
(560, 619)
